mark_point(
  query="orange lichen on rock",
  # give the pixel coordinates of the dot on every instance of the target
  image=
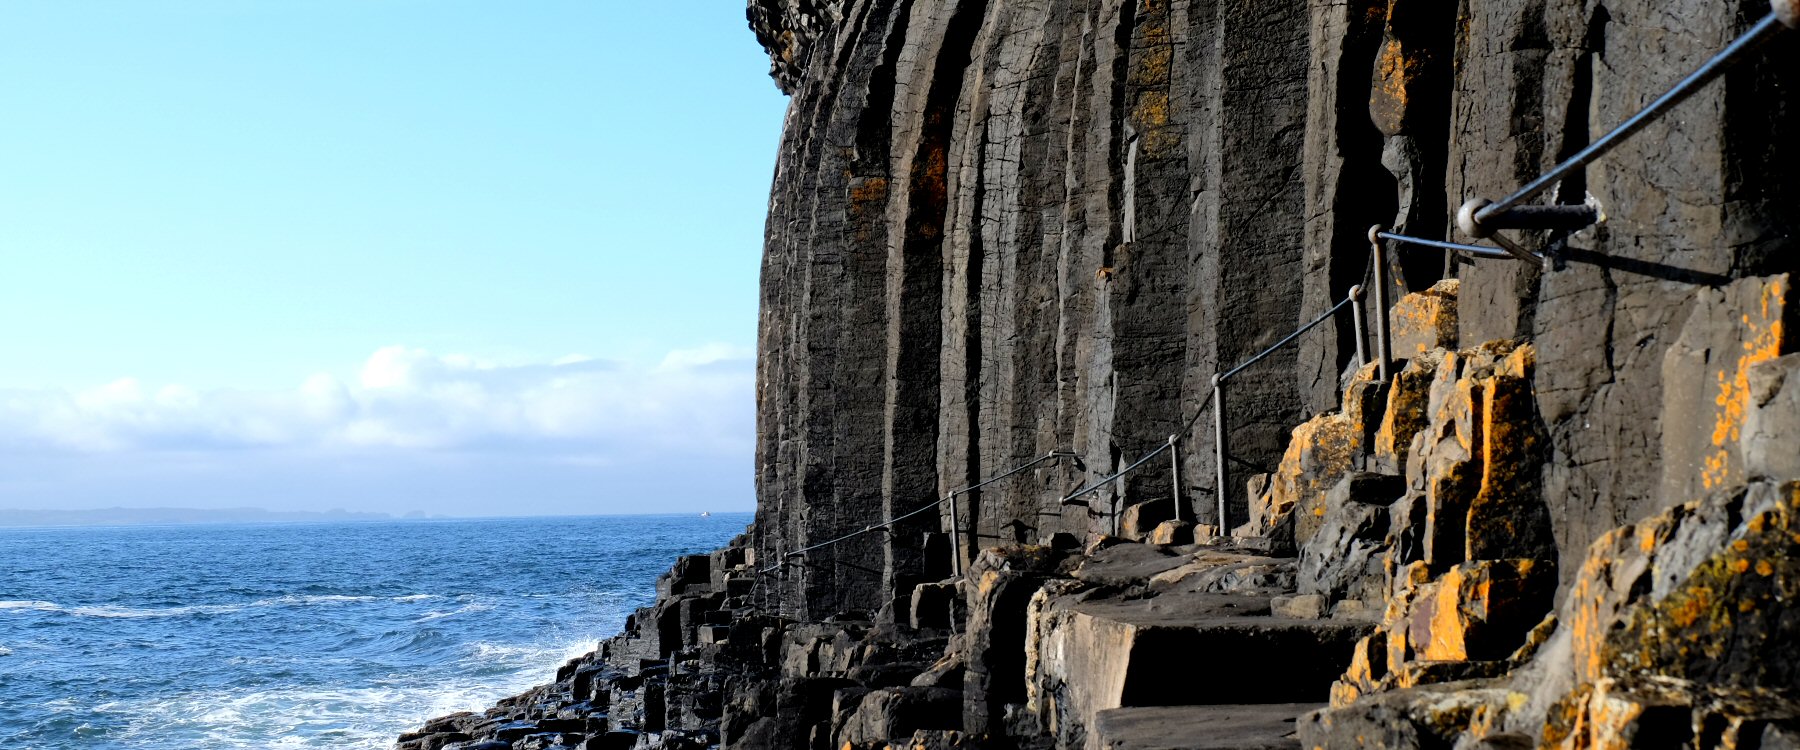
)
(1507, 517)
(1423, 321)
(1762, 342)
(1407, 410)
(1480, 610)
(1708, 383)
(1666, 634)
(1368, 665)
(1321, 451)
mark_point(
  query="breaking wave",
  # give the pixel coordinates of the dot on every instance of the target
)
(322, 636)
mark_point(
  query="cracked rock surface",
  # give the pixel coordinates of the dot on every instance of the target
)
(1009, 233)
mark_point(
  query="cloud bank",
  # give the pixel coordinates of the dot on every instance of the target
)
(406, 418)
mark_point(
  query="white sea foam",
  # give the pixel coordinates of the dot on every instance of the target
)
(465, 609)
(362, 718)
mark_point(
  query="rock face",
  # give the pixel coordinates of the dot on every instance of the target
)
(1016, 241)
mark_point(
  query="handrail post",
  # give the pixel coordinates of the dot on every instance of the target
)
(1175, 473)
(955, 539)
(1356, 320)
(1384, 351)
(1218, 384)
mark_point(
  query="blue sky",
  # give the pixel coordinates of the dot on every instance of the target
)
(464, 257)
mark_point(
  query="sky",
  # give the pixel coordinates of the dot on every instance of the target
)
(453, 256)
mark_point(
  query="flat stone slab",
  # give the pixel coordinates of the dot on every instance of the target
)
(1197, 649)
(1129, 563)
(1181, 650)
(1178, 609)
(1266, 726)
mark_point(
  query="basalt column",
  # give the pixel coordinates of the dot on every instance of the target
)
(1347, 188)
(1144, 256)
(822, 394)
(1246, 78)
(1010, 373)
(933, 68)
(1687, 204)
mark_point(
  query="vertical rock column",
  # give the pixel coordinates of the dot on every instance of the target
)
(821, 425)
(1347, 188)
(933, 66)
(1687, 205)
(1248, 84)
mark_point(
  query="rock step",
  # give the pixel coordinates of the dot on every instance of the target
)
(1261, 726)
(1189, 652)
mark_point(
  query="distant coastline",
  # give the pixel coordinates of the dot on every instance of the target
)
(13, 518)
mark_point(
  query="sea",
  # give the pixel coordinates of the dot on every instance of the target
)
(308, 635)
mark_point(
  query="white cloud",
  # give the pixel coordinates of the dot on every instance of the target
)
(574, 409)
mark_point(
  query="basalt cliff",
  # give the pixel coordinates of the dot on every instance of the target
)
(1010, 244)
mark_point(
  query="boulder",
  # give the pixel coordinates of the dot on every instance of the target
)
(895, 713)
(1423, 321)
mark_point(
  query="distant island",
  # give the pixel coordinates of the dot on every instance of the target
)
(150, 516)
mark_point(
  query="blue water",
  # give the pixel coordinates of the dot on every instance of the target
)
(337, 635)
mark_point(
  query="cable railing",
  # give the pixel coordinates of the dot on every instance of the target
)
(1481, 218)
(1478, 218)
(1468, 251)
(1216, 400)
(950, 497)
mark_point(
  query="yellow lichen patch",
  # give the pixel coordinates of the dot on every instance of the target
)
(1480, 611)
(1406, 412)
(1691, 606)
(1589, 616)
(1611, 719)
(1387, 97)
(1343, 694)
(1445, 627)
(1505, 518)
(1319, 453)
(1565, 725)
(1149, 77)
(1762, 340)
(1426, 320)
(1399, 647)
(1724, 614)
(1368, 664)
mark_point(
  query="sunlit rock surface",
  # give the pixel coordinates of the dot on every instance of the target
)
(1002, 230)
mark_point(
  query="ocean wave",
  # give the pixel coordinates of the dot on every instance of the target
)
(358, 718)
(465, 609)
(531, 654)
(114, 611)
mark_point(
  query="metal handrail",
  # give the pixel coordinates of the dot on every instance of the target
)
(955, 520)
(1122, 472)
(1476, 251)
(1215, 399)
(1222, 471)
(921, 509)
(1782, 16)
(1258, 357)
